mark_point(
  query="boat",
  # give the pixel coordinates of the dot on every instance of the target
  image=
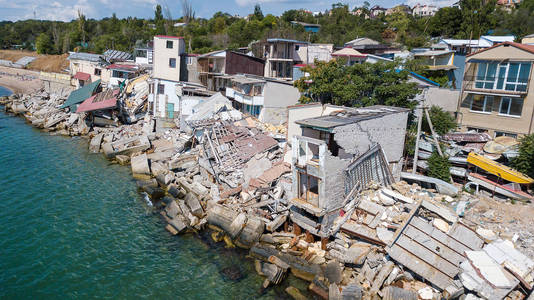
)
(508, 190)
(498, 169)
(439, 185)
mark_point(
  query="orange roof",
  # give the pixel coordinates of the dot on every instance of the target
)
(528, 48)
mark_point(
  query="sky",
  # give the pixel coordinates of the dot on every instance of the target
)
(64, 10)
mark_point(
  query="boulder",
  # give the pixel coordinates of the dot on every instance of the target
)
(140, 167)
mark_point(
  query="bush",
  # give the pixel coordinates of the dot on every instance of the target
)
(438, 167)
(442, 121)
(524, 162)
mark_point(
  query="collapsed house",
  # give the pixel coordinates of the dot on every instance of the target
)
(339, 152)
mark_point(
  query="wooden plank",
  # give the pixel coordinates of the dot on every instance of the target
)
(428, 256)
(439, 235)
(434, 245)
(420, 267)
(466, 236)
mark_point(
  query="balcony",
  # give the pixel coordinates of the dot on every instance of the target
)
(244, 99)
(496, 86)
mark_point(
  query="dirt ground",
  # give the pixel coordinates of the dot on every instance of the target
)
(47, 63)
(506, 220)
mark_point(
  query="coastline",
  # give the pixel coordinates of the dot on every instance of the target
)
(19, 81)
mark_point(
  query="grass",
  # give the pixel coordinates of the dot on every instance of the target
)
(47, 63)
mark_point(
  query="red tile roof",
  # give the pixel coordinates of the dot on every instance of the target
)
(82, 76)
(528, 48)
(103, 100)
(169, 37)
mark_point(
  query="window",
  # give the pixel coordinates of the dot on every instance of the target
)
(172, 62)
(509, 76)
(482, 103)
(98, 72)
(189, 60)
(169, 44)
(501, 133)
(308, 188)
(140, 53)
(511, 106)
(486, 75)
(161, 89)
(297, 47)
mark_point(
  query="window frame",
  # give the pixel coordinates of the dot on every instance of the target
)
(161, 89)
(500, 81)
(171, 43)
(510, 100)
(484, 105)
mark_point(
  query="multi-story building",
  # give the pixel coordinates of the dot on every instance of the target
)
(424, 10)
(167, 60)
(279, 57)
(496, 95)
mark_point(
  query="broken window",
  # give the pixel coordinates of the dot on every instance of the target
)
(308, 188)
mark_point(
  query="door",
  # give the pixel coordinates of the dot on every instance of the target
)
(170, 110)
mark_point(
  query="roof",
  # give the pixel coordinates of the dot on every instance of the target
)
(126, 68)
(498, 38)
(423, 78)
(103, 100)
(362, 41)
(529, 36)
(434, 53)
(283, 41)
(169, 37)
(241, 79)
(25, 60)
(85, 56)
(117, 55)
(306, 24)
(81, 94)
(525, 47)
(82, 76)
(217, 53)
(348, 52)
(350, 116)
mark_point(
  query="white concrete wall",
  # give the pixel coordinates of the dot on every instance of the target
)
(160, 100)
(277, 97)
(447, 99)
(162, 54)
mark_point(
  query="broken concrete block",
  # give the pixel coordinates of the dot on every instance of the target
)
(122, 159)
(172, 209)
(158, 168)
(333, 272)
(384, 234)
(486, 234)
(178, 224)
(193, 203)
(94, 145)
(441, 225)
(140, 168)
(295, 293)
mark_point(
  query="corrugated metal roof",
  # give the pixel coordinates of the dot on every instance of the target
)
(85, 56)
(284, 41)
(81, 94)
(117, 55)
(103, 100)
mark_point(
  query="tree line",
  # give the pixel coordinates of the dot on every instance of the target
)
(471, 19)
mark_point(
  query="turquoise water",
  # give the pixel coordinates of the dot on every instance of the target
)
(73, 225)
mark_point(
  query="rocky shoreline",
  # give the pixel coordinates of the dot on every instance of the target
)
(202, 178)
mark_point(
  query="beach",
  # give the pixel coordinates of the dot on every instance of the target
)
(19, 80)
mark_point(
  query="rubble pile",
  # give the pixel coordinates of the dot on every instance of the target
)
(222, 172)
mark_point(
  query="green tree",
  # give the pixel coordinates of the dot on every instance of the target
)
(258, 14)
(524, 162)
(43, 44)
(442, 121)
(357, 85)
(159, 21)
(438, 167)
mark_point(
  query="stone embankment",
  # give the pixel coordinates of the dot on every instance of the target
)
(227, 174)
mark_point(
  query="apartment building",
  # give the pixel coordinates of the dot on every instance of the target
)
(167, 63)
(496, 94)
(279, 55)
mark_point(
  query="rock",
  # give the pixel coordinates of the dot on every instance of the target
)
(426, 293)
(157, 168)
(140, 168)
(441, 225)
(232, 273)
(193, 203)
(384, 234)
(171, 229)
(333, 272)
(122, 159)
(149, 182)
(178, 224)
(295, 293)
(172, 210)
(486, 234)
(94, 145)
